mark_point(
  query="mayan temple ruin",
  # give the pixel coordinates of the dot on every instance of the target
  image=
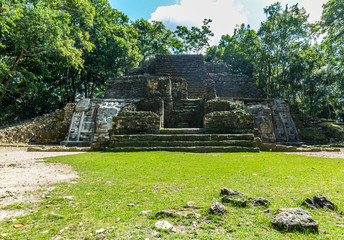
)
(181, 103)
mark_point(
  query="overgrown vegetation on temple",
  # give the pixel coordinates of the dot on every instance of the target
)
(52, 52)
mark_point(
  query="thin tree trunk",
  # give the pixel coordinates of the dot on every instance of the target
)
(14, 68)
(74, 85)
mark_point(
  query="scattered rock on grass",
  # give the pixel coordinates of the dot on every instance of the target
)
(145, 212)
(218, 208)
(164, 225)
(294, 219)
(259, 201)
(231, 192)
(165, 213)
(191, 205)
(100, 230)
(319, 201)
(193, 215)
(68, 197)
(240, 202)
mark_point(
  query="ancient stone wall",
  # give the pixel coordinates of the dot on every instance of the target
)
(272, 119)
(216, 67)
(234, 86)
(263, 121)
(92, 120)
(218, 105)
(175, 88)
(50, 128)
(146, 86)
(186, 113)
(130, 87)
(131, 122)
(235, 121)
(190, 67)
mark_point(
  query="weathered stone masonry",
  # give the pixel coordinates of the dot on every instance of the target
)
(172, 91)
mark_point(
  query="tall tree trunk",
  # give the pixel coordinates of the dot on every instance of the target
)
(74, 85)
(14, 68)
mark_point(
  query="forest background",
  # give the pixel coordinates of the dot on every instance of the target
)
(53, 52)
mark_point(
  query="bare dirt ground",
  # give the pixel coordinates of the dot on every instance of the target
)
(321, 154)
(23, 173)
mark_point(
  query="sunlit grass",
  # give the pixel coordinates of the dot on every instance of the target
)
(161, 180)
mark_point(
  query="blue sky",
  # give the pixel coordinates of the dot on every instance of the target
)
(226, 14)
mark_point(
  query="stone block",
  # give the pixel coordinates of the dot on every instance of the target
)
(216, 105)
(237, 121)
(136, 122)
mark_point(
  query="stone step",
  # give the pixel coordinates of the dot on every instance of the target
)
(196, 149)
(181, 131)
(182, 125)
(181, 137)
(76, 143)
(184, 113)
(181, 105)
(240, 143)
(187, 104)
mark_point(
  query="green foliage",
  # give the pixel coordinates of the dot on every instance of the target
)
(286, 63)
(194, 40)
(239, 52)
(52, 52)
(333, 131)
(333, 45)
(55, 51)
(153, 38)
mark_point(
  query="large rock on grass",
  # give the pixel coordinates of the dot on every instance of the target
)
(231, 192)
(239, 202)
(218, 208)
(259, 201)
(164, 225)
(319, 201)
(294, 219)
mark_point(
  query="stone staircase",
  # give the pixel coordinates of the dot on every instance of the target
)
(190, 67)
(187, 113)
(183, 140)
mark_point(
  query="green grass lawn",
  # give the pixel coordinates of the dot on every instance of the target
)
(163, 180)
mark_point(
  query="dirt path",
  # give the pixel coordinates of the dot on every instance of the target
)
(320, 154)
(22, 173)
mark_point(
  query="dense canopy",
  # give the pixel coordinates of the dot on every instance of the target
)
(56, 51)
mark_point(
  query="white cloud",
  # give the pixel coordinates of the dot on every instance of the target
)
(313, 7)
(224, 13)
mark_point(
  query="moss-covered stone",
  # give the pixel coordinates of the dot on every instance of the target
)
(236, 121)
(314, 131)
(271, 147)
(129, 122)
(216, 105)
(333, 132)
(50, 128)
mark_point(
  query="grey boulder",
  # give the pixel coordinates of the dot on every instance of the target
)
(259, 201)
(240, 202)
(294, 219)
(319, 201)
(231, 192)
(218, 208)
